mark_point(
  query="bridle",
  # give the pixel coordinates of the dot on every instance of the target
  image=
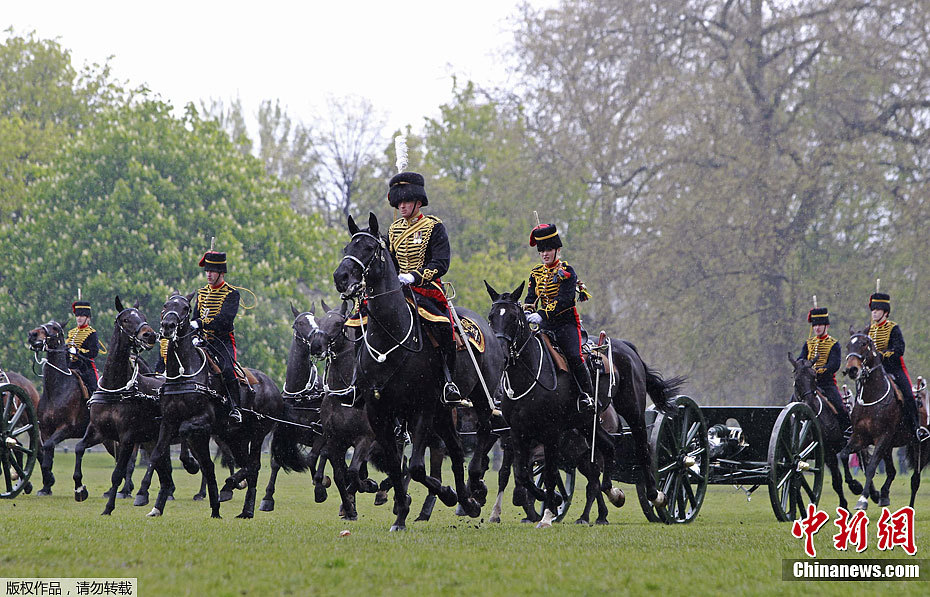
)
(312, 360)
(513, 353)
(57, 334)
(136, 344)
(174, 338)
(863, 378)
(358, 291)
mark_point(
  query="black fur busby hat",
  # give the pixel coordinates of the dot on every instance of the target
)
(407, 186)
(880, 300)
(213, 261)
(81, 308)
(818, 316)
(545, 237)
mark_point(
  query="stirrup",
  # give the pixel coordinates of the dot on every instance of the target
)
(235, 415)
(585, 403)
(923, 434)
(451, 395)
(847, 433)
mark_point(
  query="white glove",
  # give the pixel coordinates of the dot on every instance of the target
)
(72, 350)
(195, 324)
(534, 318)
(195, 341)
(405, 279)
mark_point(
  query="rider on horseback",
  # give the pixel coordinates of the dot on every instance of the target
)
(215, 309)
(421, 246)
(83, 345)
(824, 352)
(551, 303)
(889, 341)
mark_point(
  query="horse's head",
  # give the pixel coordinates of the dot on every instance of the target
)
(175, 316)
(507, 319)
(48, 336)
(131, 322)
(861, 354)
(331, 326)
(365, 260)
(805, 379)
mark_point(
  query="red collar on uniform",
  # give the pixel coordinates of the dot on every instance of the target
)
(416, 219)
(217, 287)
(557, 263)
(824, 337)
(81, 327)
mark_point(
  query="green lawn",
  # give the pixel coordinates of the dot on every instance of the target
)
(734, 547)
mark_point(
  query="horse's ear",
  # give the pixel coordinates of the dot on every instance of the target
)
(491, 292)
(353, 227)
(119, 304)
(324, 305)
(794, 362)
(518, 292)
(190, 297)
(135, 305)
(294, 311)
(852, 330)
(372, 223)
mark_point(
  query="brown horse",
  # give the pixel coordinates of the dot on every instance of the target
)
(62, 410)
(878, 418)
(18, 380)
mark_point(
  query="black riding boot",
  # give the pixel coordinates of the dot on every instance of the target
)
(583, 379)
(232, 392)
(910, 413)
(450, 392)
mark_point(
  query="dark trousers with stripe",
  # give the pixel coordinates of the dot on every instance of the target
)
(832, 393)
(903, 381)
(567, 332)
(224, 353)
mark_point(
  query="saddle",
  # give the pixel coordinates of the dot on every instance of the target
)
(244, 376)
(555, 352)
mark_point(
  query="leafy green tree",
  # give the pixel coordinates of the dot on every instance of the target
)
(128, 207)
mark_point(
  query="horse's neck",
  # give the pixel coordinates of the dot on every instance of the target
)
(298, 366)
(529, 357)
(184, 354)
(119, 362)
(56, 369)
(342, 367)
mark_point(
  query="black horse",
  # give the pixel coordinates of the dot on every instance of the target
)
(399, 371)
(806, 391)
(189, 409)
(878, 419)
(124, 409)
(62, 409)
(302, 394)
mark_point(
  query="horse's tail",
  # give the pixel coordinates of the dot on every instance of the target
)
(284, 444)
(662, 391)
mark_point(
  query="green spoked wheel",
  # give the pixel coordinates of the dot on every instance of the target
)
(796, 462)
(19, 440)
(680, 462)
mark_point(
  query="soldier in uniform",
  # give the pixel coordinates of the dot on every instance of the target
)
(83, 345)
(824, 352)
(421, 246)
(890, 343)
(215, 309)
(550, 301)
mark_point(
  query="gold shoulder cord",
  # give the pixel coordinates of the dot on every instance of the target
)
(254, 302)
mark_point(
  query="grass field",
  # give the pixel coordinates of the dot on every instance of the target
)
(734, 547)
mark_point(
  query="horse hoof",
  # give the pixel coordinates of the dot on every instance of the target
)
(380, 498)
(544, 524)
(80, 494)
(495, 519)
(170, 498)
(27, 488)
(106, 512)
(154, 513)
(855, 487)
(660, 500)
(266, 506)
(319, 494)
(471, 507)
(884, 502)
(480, 492)
(421, 518)
(216, 515)
(245, 515)
(583, 521)
(243, 484)
(398, 527)
(191, 467)
(124, 496)
(447, 496)
(199, 497)
(602, 521)
(141, 500)
(327, 481)
(226, 495)
(616, 497)
(44, 492)
(367, 486)
(862, 504)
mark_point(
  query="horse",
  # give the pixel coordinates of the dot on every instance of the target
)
(344, 426)
(62, 408)
(545, 410)
(806, 391)
(27, 386)
(302, 391)
(878, 418)
(399, 371)
(124, 409)
(189, 410)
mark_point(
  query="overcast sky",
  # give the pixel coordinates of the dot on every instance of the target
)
(400, 55)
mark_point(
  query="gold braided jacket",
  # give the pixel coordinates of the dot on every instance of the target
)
(77, 337)
(818, 351)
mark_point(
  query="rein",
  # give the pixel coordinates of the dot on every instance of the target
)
(514, 354)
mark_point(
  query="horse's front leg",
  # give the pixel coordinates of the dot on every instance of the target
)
(880, 448)
(890, 473)
(384, 433)
(550, 479)
(91, 438)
